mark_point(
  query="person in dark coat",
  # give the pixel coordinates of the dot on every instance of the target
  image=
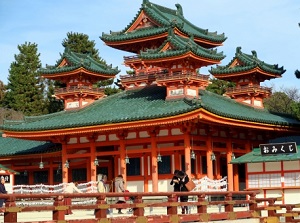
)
(175, 182)
(183, 179)
(2, 191)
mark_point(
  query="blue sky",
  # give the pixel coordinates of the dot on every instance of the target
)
(270, 27)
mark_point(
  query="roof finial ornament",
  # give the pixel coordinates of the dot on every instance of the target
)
(145, 2)
(179, 9)
(254, 53)
(238, 49)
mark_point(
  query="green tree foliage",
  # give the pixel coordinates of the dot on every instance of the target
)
(2, 92)
(53, 105)
(80, 43)
(219, 86)
(284, 101)
(25, 88)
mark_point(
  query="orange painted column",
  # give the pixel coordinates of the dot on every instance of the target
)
(209, 162)
(236, 180)
(229, 166)
(122, 159)
(146, 174)
(177, 160)
(65, 170)
(92, 173)
(187, 154)
(154, 166)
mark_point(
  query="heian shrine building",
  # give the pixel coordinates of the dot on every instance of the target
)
(164, 119)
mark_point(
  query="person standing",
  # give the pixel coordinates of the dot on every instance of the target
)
(70, 188)
(119, 187)
(175, 181)
(183, 179)
(101, 187)
(2, 191)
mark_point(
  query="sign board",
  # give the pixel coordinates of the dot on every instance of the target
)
(278, 148)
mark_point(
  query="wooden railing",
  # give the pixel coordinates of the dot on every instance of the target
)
(227, 206)
(284, 212)
(76, 89)
(248, 89)
(206, 206)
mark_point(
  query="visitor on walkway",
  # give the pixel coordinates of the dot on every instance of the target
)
(183, 179)
(2, 191)
(175, 182)
(70, 189)
(119, 188)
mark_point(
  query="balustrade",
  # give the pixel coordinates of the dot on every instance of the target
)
(200, 204)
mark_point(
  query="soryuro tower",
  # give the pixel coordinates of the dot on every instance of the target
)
(169, 51)
(80, 73)
(247, 72)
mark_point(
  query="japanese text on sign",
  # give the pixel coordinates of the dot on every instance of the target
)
(278, 148)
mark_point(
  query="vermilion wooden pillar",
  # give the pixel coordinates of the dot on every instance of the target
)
(122, 159)
(209, 151)
(92, 174)
(187, 153)
(154, 168)
(65, 170)
(236, 186)
(229, 166)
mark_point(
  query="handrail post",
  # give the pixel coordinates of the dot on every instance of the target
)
(172, 205)
(229, 203)
(202, 208)
(253, 203)
(289, 218)
(10, 215)
(271, 212)
(102, 206)
(59, 211)
(138, 210)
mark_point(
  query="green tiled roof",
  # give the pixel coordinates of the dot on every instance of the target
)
(146, 104)
(166, 18)
(12, 146)
(180, 46)
(7, 169)
(248, 62)
(78, 60)
(256, 157)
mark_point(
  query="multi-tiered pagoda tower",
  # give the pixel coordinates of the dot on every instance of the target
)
(247, 72)
(169, 51)
(80, 73)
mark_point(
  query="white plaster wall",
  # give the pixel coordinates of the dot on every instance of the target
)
(255, 167)
(273, 194)
(101, 138)
(163, 186)
(113, 137)
(176, 132)
(72, 140)
(135, 186)
(83, 139)
(291, 165)
(273, 166)
(291, 196)
(257, 103)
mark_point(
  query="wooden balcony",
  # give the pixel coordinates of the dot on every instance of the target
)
(249, 89)
(81, 90)
(162, 76)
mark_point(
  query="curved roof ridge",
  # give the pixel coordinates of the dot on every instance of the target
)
(248, 62)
